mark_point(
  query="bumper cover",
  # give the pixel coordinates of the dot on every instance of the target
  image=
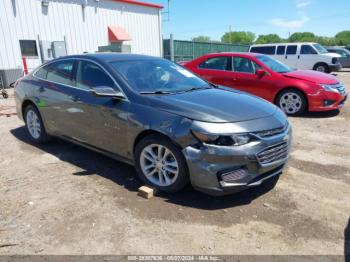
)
(206, 164)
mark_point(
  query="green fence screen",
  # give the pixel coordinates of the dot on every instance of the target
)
(188, 50)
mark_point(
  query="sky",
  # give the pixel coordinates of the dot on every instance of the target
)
(190, 18)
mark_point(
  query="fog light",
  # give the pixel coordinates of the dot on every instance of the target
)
(328, 102)
(234, 175)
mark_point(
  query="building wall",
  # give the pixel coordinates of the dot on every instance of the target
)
(83, 28)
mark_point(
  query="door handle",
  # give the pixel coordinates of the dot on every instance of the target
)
(286, 57)
(298, 56)
(75, 98)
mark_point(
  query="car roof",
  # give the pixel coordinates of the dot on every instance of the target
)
(243, 54)
(295, 43)
(110, 57)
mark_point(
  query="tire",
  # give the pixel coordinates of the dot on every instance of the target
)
(292, 102)
(322, 67)
(162, 173)
(34, 125)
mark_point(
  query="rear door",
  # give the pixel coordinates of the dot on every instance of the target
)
(55, 94)
(217, 70)
(291, 56)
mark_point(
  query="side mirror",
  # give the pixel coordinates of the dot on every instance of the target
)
(260, 72)
(105, 91)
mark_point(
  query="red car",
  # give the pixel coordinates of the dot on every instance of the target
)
(294, 91)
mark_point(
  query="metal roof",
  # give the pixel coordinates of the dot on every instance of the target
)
(135, 2)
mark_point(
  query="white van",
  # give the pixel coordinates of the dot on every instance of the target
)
(304, 56)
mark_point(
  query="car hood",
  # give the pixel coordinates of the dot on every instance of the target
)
(312, 76)
(215, 105)
(332, 54)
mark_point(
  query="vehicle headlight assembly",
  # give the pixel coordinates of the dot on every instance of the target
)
(330, 88)
(222, 140)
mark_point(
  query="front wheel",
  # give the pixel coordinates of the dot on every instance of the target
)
(292, 102)
(322, 67)
(159, 163)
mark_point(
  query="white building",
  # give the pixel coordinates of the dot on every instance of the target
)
(39, 30)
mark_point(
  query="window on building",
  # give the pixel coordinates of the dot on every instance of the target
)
(28, 47)
(291, 50)
(266, 50)
(244, 65)
(307, 50)
(217, 63)
(281, 50)
(61, 72)
(90, 75)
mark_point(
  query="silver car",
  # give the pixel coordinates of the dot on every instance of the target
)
(174, 127)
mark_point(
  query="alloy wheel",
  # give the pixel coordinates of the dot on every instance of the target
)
(33, 124)
(291, 103)
(159, 165)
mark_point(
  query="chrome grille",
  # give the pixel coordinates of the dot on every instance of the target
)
(273, 153)
(271, 132)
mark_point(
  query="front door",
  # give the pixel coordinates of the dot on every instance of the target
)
(105, 119)
(244, 70)
(291, 56)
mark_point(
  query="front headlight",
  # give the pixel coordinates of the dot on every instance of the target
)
(330, 88)
(222, 140)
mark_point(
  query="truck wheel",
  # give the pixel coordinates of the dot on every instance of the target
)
(321, 67)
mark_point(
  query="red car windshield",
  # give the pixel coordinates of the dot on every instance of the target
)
(273, 64)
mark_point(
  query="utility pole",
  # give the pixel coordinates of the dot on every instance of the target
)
(230, 30)
(167, 13)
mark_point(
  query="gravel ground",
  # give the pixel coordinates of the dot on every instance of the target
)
(63, 199)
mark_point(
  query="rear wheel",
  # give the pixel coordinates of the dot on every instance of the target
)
(35, 125)
(161, 164)
(321, 67)
(292, 102)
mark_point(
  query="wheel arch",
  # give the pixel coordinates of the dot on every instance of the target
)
(150, 132)
(26, 103)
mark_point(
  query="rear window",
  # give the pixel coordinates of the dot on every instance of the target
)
(266, 50)
(281, 50)
(217, 63)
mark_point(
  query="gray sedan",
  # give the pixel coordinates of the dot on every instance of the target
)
(149, 112)
(345, 55)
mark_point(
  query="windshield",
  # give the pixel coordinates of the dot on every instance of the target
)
(158, 76)
(273, 64)
(320, 48)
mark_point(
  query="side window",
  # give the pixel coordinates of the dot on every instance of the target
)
(281, 50)
(90, 75)
(244, 65)
(307, 50)
(266, 50)
(291, 50)
(42, 72)
(61, 72)
(217, 63)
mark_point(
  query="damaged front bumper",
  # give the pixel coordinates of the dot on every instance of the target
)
(220, 170)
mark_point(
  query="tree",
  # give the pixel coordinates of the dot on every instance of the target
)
(238, 37)
(326, 41)
(267, 39)
(201, 38)
(302, 37)
(343, 38)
